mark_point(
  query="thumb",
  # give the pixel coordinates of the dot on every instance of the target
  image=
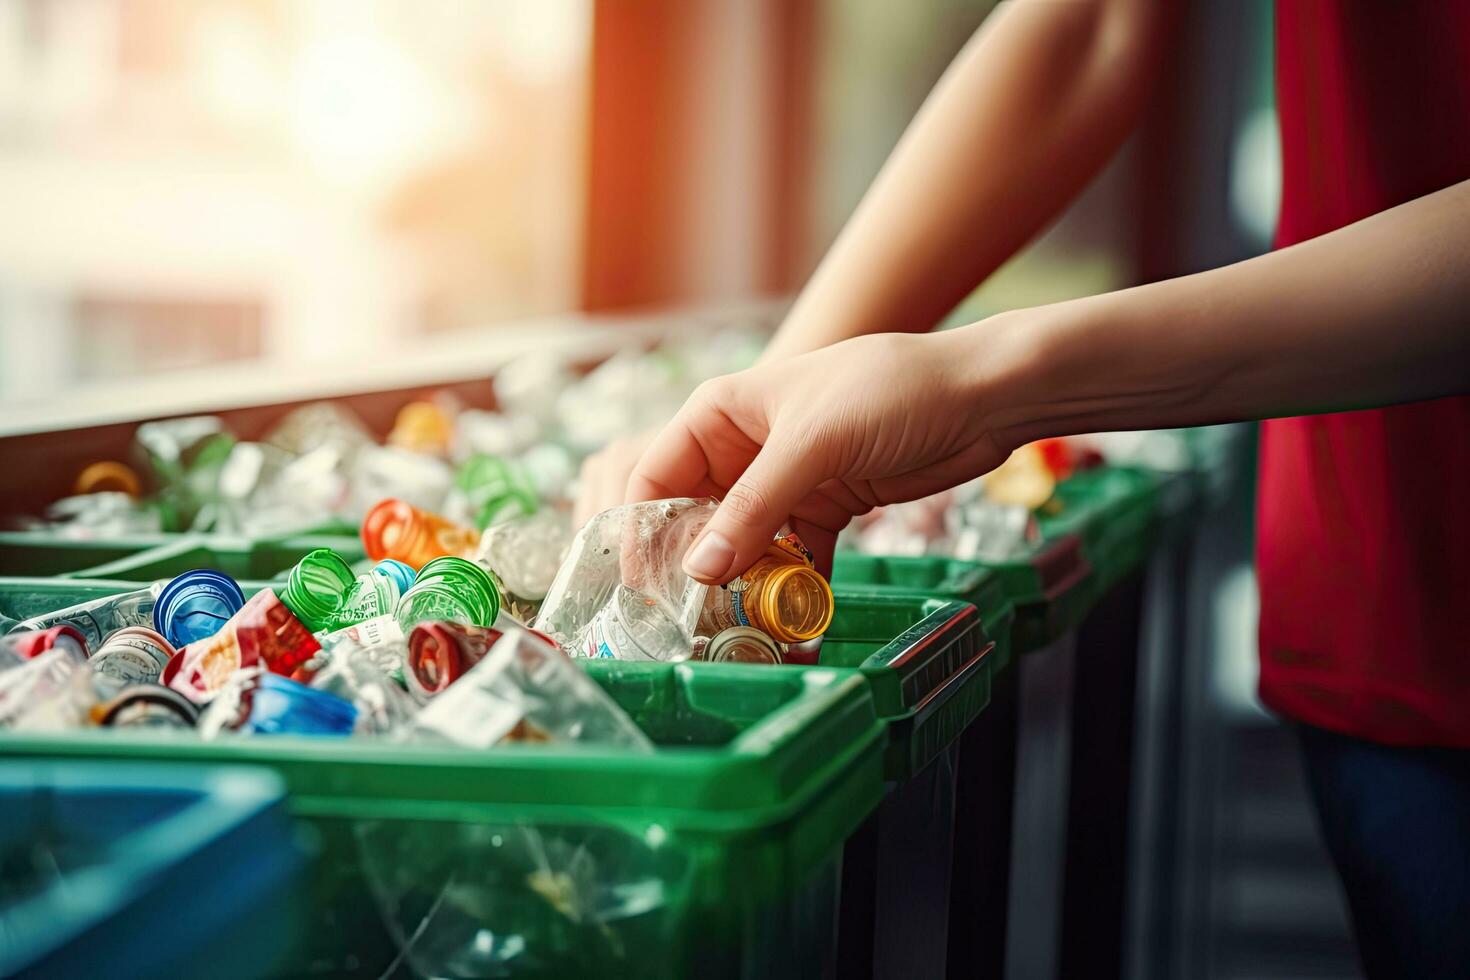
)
(752, 511)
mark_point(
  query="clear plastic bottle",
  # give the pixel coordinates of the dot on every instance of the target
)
(99, 618)
(394, 529)
(632, 626)
(637, 546)
(451, 589)
(526, 553)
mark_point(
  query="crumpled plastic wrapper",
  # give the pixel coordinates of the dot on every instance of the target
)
(636, 546)
(525, 690)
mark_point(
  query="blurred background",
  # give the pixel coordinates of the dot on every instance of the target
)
(203, 203)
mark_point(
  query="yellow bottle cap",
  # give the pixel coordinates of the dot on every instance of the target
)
(796, 604)
(1023, 480)
(109, 476)
(422, 427)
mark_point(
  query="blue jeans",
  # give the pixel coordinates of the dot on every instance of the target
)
(1397, 823)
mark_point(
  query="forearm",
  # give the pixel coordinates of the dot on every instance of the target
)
(1031, 109)
(1373, 314)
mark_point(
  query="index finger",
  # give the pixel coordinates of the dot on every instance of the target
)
(673, 465)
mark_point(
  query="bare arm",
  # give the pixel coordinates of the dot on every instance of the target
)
(1372, 314)
(1029, 111)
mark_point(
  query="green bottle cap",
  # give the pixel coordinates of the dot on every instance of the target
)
(452, 589)
(316, 586)
(498, 489)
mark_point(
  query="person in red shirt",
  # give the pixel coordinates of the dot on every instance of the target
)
(1352, 337)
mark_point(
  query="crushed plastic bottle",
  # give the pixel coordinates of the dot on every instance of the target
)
(637, 547)
(321, 425)
(49, 691)
(525, 554)
(187, 456)
(525, 690)
(101, 515)
(133, 655)
(354, 674)
(441, 653)
(265, 490)
(491, 489)
(96, 619)
(529, 386)
(387, 472)
(982, 530)
(423, 427)
(108, 476)
(146, 706)
(627, 393)
(632, 626)
(495, 434)
(195, 605)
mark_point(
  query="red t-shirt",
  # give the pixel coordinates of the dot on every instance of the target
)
(1363, 543)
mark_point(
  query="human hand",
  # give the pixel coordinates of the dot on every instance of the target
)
(817, 439)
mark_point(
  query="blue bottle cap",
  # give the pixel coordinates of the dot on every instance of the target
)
(195, 605)
(280, 706)
(400, 573)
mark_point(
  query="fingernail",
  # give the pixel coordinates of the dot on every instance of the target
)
(711, 556)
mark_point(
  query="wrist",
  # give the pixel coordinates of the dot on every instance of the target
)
(1024, 371)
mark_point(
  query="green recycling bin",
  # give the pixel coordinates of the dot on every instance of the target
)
(43, 553)
(717, 855)
(145, 557)
(930, 664)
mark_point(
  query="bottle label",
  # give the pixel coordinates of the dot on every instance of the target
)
(378, 631)
(132, 660)
(737, 601)
(598, 645)
(724, 606)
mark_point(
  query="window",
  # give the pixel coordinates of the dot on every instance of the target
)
(187, 182)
